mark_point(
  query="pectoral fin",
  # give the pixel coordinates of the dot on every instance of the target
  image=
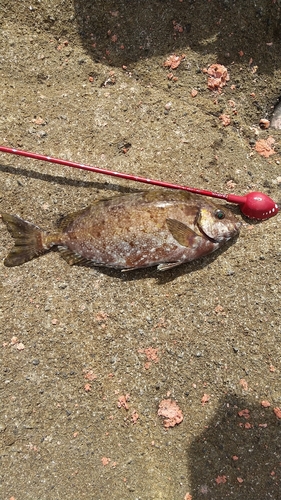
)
(181, 232)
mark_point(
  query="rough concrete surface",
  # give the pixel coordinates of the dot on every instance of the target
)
(87, 355)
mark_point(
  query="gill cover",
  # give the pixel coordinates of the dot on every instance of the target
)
(217, 223)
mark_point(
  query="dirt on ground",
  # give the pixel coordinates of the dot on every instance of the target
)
(89, 355)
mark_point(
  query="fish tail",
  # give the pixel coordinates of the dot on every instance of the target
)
(28, 240)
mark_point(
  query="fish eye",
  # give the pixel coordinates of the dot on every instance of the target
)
(219, 214)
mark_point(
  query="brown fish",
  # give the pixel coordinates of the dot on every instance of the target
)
(162, 228)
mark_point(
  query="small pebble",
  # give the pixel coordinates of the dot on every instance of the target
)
(168, 106)
(264, 123)
(230, 272)
(62, 285)
(42, 133)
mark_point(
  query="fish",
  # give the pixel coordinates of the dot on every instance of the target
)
(162, 228)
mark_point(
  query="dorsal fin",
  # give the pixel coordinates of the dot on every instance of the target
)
(66, 220)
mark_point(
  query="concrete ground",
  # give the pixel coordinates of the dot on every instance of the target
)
(87, 355)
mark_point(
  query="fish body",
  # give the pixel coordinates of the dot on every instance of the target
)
(161, 228)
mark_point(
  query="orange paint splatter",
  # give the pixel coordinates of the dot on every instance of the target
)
(248, 425)
(218, 76)
(264, 147)
(205, 398)
(152, 354)
(244, 413)
(221, 479)
(173, 61)
(265, 404)
(123, 401)
(244, 384)
(225, 119)
(89, 375)
(277, 412)
(101, 317)
(171, 412)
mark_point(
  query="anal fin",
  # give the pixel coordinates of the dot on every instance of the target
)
(73, 258)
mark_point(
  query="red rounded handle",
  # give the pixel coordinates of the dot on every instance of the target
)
(255, 205)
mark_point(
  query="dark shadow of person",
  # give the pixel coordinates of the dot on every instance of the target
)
(123, 31)
(238, 455)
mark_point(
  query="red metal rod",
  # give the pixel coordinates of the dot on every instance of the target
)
(109, 172)
(255, 205)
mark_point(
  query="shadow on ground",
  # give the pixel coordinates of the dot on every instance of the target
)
(237, 456)
(122, 32)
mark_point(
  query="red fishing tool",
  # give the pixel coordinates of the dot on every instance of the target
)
(254, 205)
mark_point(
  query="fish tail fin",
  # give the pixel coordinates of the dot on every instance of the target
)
(28, 240)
